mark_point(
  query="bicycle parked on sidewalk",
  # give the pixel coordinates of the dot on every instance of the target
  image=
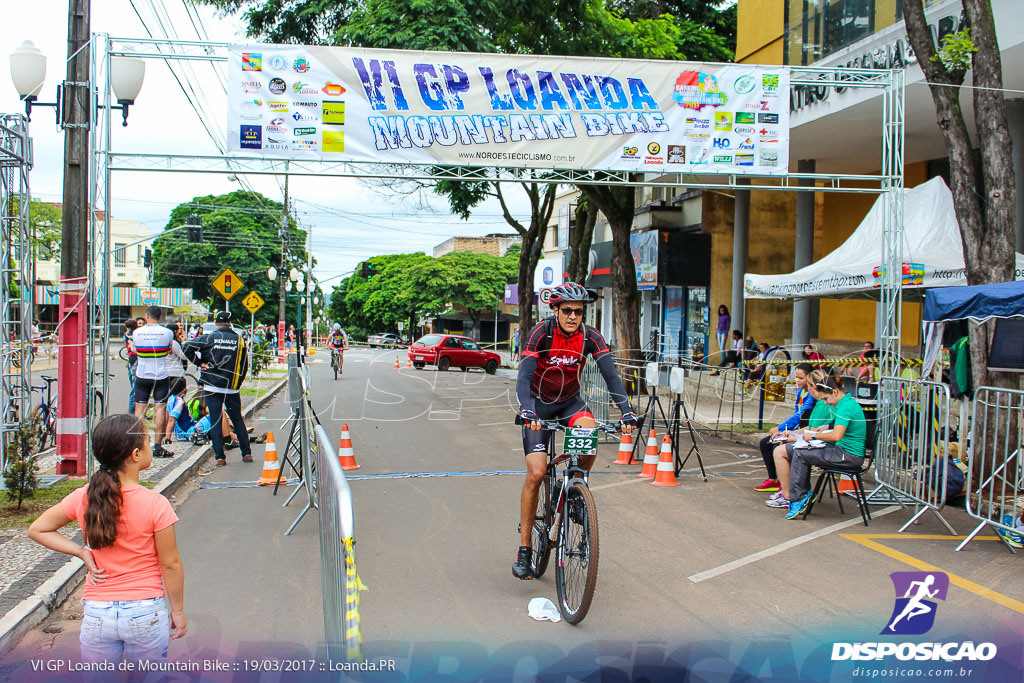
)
(47, 409)
(566, 521)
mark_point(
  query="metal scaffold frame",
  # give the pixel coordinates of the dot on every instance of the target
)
(889, 182)
(17, 290)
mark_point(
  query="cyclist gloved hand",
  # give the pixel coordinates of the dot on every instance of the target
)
(629, 420)
(528, 417)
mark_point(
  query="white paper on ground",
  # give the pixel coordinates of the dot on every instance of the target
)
(543, 609)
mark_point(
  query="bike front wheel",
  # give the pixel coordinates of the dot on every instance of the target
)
(541, 528)
(576, 572)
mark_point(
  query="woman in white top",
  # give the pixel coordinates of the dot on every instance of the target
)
(176, 360)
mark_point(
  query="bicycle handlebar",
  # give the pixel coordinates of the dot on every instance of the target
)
(555, 426)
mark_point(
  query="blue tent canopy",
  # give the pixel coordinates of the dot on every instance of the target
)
(977, 302)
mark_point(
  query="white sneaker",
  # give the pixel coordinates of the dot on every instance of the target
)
(777, 501)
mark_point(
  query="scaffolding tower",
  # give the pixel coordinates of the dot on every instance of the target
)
(16, 288)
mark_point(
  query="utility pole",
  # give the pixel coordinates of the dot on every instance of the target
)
(73, 342)
(283, 277)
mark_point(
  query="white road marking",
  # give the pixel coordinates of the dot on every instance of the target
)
(647, 481)
(792, 543)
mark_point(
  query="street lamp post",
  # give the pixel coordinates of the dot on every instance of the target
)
(73, 107)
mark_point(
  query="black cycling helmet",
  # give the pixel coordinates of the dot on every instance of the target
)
(570, 291)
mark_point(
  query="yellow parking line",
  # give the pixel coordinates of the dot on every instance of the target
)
(987, 593)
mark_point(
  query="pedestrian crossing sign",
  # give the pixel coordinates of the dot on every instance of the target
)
(253, 302)
(228, 284)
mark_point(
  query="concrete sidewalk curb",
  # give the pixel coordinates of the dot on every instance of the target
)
(34, 609)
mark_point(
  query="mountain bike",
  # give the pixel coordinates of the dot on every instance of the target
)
(566, 521)
(336, 362)
(47, 412)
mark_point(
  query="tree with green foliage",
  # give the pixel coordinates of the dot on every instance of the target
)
(378, 303)
(241, 231)
(20, 480)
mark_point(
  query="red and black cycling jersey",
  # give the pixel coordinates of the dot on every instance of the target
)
(560, 359)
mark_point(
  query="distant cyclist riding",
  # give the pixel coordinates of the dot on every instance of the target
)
(548, 388)
(337, 341)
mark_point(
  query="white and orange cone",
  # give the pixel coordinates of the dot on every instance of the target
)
(397, 366)
(666, 475)
(346, 456)
(408, 363)
(271, 465)
(625, 450)
(650, 457)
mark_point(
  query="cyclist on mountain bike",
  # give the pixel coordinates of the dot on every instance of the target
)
(548, 388)
(337, 341)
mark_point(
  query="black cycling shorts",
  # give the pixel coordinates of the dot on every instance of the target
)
(159, 388)
(567, 413)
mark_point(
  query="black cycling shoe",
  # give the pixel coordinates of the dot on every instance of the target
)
(523, 567)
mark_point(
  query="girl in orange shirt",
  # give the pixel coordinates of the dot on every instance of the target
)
(132, 554)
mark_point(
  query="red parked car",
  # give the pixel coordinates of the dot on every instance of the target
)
(446, 350)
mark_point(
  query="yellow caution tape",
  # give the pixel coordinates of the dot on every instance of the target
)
(353, 632)
(837, 363)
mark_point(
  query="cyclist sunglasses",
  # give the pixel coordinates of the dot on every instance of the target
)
(569, 312)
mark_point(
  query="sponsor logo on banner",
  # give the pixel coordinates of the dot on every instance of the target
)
(333, 89)
(277, 86)
(304, 117)
(723, 158)
(769, 139)
(676, 154)
(743, 130)
(767, 118)
(252, 61)
(653, 148)
(759, 106)
(277, 106)
(744, 117)
(304, 131)
(300, 88)
(744, 158)
(698, 124)
(300, 66)
(744, 84)
(333, 114)
(723, 120)
(696, 135)
(308, 105)
(913, 614)
(251, 104)
(333, 140)
(252, 87)
(275, 145)
(630, 152)
(251, 137)
(277, 127)
(698, 156)
(746, 144)
(770, 85)
(768, 157)
(306, 143)
(696, 90)
(277, 63)
(250, 117)
(721, 143)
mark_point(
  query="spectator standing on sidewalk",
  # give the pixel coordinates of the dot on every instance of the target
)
(133, 358)
(131, 552)
(724, 321)
(152, 343)
(222, 356)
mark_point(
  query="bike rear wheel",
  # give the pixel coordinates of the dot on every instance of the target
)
(47, 426)
(541, 527)
(576, 571)
(334, 364)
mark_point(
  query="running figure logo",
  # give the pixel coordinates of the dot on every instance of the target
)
(914, 612)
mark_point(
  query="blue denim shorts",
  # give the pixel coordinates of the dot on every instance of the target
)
(134, 630)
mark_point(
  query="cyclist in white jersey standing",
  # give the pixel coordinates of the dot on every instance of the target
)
(152, 343)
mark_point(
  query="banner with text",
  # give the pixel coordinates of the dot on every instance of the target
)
(468, 109)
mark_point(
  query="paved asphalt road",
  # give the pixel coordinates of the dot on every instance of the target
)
(436, 552)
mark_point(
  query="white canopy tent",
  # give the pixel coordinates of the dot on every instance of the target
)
(932, 255)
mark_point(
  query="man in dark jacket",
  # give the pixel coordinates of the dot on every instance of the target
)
(221, 355)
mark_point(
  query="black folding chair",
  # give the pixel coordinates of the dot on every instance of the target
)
(831, 477)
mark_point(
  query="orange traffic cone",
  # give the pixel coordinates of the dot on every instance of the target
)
(408, 364)
(346, 456)
(625, 451)
(650, 457)
(845, 484)
(666, 475)
(271, 465)
(397, 366)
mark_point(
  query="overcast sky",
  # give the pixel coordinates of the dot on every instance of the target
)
(351, 220)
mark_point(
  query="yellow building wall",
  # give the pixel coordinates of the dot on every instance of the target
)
(854, 319)
(759, 23)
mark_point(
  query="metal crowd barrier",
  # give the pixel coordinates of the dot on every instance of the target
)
(338, 576)
(910, 456)
(997, 438)
(595, 393)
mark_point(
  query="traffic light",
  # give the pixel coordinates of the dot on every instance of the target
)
(366, 270)
(195, 229)
(147, 258)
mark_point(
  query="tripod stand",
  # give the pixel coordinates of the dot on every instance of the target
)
(649, 416)
(676, 424)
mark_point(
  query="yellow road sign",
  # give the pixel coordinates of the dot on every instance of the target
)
(253, 302)
(228, 284)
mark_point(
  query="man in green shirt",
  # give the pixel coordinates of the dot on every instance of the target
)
(843, 449)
